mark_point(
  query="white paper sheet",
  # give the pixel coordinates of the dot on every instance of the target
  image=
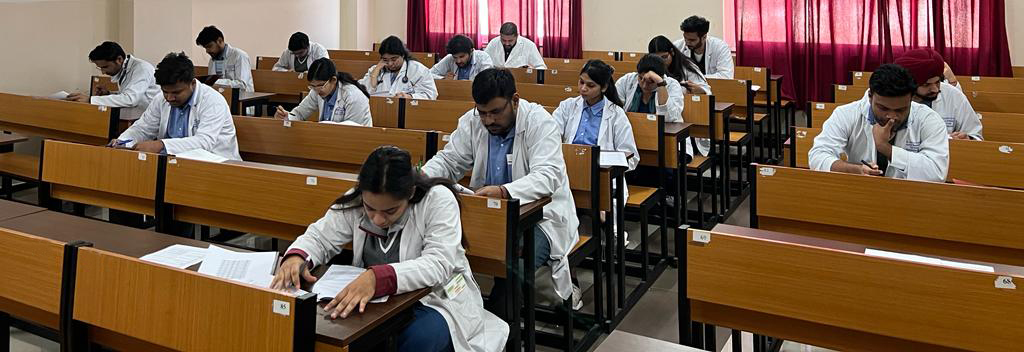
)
(178, 256)
(255, 268)
(613, 158)
(201, 155)
(343, 123)
(61, 95)
(336, 279)
(928, 260)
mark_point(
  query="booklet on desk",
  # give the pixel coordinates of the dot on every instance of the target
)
(255, 268)
(336, 279)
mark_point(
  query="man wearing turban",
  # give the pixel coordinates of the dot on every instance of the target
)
(928, 70)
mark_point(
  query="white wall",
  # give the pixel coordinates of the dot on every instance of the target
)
(629, 25)
(1015, 30)
(262, 27)
(160, 28)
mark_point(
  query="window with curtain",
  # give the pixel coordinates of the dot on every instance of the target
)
(816, 43)
(555, 25)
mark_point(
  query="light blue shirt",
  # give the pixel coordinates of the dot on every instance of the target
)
(463, 73)
(499, 152)
(329, 103)
(219, 62)
(590, 124)
(177, 124)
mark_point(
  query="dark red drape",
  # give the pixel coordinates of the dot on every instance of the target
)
(431, 23)
(816, 43)
(563, 28)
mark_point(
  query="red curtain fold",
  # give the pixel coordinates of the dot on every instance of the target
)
(431, 23)
(521, 12)
(563, 28)
(816, 43)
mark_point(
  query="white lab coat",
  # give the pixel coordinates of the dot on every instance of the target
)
(420, 83)
(956, 111)
(136, 87)
(350, 105)
(237, 69)
(717, 57)
(615, 133)
(287, 60)
(673, 108)
(921, 150)
(430, 254)
(525, 53)
(538, 170)
(210, 126)
(481, 61)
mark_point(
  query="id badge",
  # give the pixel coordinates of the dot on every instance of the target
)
(455, 285)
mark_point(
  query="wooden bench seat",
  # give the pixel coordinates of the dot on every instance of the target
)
(22, 165)
(697, 162)
(581, 242)
(757, 117)
(639, 195)
(736, 136)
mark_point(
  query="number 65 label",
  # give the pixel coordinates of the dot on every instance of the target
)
(1005, 282)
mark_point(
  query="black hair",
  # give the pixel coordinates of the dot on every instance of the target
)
(389, 170)
(892, 80)
(697, 24)
(208, 35)
(298, 41)
(323, 69)
(174, 68)
(394, 46)
(460, 44)
(107, 51)
(651, 62)
(493, 83)
(509, 28)
(602, 74)
(680, 62)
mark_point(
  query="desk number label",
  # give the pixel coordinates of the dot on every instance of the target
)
(142, 156)
(287, 123)
(566, 61)
(801, 134)
(858, 74)
(96, 79)
(842, 87)
(494, 204)
(1005, 282)
(767, 171)
(102, 108)
(611, 53)
(976, 78)
(221, 89)
(311, 180)
(529, 70)
(819, 106)
(695, 98)
(1005, 149)
(172, 161)
(701, 237)
(568, 89)
(282, 307)
(554, 72)
(414, 102)
(757, 69)
(652, 117)
(446, 137)
(302, 75)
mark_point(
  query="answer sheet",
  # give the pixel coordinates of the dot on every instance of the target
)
(336, 279)
(179, 256)
(255, 268)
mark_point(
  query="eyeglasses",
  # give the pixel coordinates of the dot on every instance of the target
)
(481, 114)
(318, 86)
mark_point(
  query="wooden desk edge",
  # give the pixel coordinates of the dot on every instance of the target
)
(530, 208)
(410, 298)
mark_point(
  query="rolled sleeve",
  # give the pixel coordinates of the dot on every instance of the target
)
(387, 281)
(900, 158)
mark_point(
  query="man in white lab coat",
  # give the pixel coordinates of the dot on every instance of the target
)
(514, 148)
(886, 133)
(188, 115)
(463, 61)
(300, 54)
(927, 67)
(398, 74)
(230, 63)
(133, 76)
(509, 49)
(712, 55)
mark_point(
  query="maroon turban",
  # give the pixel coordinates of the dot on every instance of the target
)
(923, 64)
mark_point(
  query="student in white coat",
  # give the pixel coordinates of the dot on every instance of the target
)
(231, 63)
(300, 54)
(336, 95)
(510, 49)
(463, 61)
(398, 74)
(405, 229)
(927, 67)
(133, 76)
(188, 115)
(885, 133)
(514, 149)
(650, 91)
(712, 55)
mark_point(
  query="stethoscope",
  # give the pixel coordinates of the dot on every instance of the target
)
(405, 80)
(124, 72)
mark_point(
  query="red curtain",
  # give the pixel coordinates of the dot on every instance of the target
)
(521, 12)
(432, 23)
(816, 43)
(563, 28)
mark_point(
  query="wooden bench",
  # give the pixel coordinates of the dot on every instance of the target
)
(987, 163)
(448, 89)
(601, 55)
(356, 68)
(287, 85)
(111, 178)
(428, 59)
(845, 94)
(434, 115)
(35, 279)
(709, 121)
(819, 112)
(266, 62)
(803, 141)
(860, 78)
(764, 98)
(1003, 127)
(986, 102)
(741, 95)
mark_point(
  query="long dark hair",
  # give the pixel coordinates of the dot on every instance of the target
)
(323, 69)
(601, 73)
(394, 46)
(680, 62)
(389, 170)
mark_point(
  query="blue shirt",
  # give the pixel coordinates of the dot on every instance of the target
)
(499, 152)
(177, 124)
(590, 124)
(329, 102)
(463, 73)
(219, 62)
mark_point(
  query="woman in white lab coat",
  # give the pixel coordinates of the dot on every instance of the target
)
(650, 91)
(336, 95)
(406, 230)
(398, 74)
(679, 66)
(596, 117)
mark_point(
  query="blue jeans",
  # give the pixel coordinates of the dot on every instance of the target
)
(428, 332)
(541, 253)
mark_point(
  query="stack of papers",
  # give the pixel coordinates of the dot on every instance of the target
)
(61, 95)
(251, 268)
(178, 256)
(613, 158)
(928, 260)
(201, 155)
(343, 123)
(336, 279)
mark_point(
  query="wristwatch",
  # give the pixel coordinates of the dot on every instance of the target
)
(662, 83)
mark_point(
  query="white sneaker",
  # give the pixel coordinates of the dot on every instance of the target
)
(577, 298)
(625, 239)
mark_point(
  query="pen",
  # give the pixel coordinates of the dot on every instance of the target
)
(120, 142)
(866, 164)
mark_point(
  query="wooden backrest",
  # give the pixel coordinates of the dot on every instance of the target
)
(991, 84)
(356, 68)
(621, 68)
(600, 55)
(184, 310)
(545, 94)
(554, 76)
(97, 82)
(484, 222)
(525, 75)
(289, 83)
(200, 70)
(700, 111)
(571, 65)
(996, 102)
(106, 177)
(997, 164)
(845, 94)
(1003, 127)
(32, 272)
(860, 78)
(64, 120)
(321, 146)
(448, 89)
(586, 177)
(359, 55)
(428, 59)
(819, 112)
(384, 111)
(911, 215)
(802, 143)
(645, 132)
(633, 56)
(843, 288)
(758, 76)
(266, 62)
(435, 115)
(278, 201)
(736, 91)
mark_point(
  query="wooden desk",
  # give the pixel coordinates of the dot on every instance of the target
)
(1003, 127)
(995, 164)
(6, 139)
(354, 333)
(10, 210)
(257, 99)
(119, 179)
(287, 86)
(64, 120)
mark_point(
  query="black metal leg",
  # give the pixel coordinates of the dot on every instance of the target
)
(567, 336)
(620, 234)
(8, 186)
(609, 253)
(530, 341)
(5, 332)
(644, 259)
(737, 341)
(710, 343)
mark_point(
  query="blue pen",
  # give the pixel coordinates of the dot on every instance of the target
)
(120, 142)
